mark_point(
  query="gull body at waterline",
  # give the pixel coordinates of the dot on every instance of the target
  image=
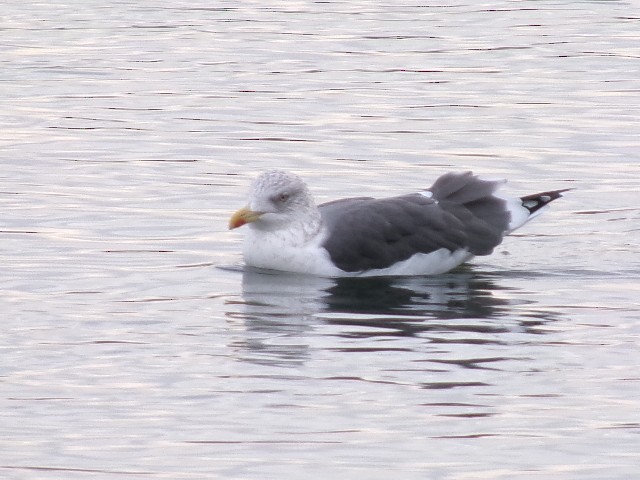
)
(423, 233)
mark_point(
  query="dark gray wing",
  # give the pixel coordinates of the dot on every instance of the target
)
(367, 233)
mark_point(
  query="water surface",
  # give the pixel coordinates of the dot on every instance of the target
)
(134, 344)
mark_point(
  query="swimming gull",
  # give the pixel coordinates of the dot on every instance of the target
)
(427, 232)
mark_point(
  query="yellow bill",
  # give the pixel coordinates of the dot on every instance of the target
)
(242, 217)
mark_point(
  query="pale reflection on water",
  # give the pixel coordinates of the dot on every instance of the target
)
(466, 295)
(290, 305)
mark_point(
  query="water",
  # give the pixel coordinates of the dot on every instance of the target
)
(135, 346)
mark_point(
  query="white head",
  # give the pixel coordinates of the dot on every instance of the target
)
(277, 199)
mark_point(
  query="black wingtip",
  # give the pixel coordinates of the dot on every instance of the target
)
(536, 201)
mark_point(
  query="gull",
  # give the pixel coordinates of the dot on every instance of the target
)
(427, 232)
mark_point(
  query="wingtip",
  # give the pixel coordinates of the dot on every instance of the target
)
(537, 201)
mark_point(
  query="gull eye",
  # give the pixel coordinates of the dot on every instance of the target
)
(282, 197)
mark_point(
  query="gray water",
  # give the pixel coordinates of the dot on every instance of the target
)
(134, 345)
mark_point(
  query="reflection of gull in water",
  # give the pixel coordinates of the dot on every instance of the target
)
(454, 295)
(270, 293)
(279, 309)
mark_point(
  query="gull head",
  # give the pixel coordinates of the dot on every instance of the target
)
(277, 200)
